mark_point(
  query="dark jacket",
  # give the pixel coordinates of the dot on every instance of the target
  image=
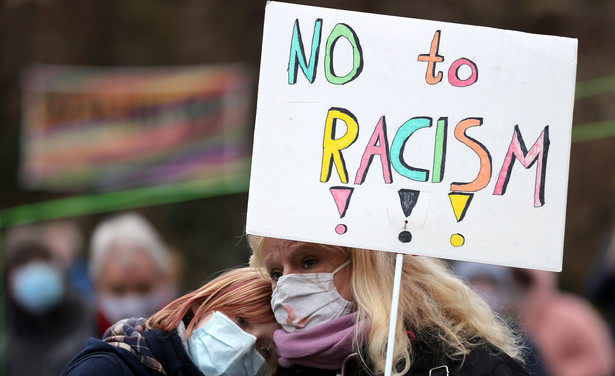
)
(101, 359)
(482, 361)
(41, 345)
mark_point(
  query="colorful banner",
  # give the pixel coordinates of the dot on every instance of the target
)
(101, 129)
(412, 136)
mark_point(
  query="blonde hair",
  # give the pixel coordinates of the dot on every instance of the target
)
(238, 292)
(434, 304)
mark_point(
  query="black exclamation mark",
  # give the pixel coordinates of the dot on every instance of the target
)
(408, 199)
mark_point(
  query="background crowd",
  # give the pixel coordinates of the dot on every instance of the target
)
(63, 288)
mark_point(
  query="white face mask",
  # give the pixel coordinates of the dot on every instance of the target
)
(306, 300)
(221, 347)
(116, 308)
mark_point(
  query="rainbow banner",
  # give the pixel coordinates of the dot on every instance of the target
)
(106, 129)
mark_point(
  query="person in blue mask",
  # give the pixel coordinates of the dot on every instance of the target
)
(223, 328)
(46, 319)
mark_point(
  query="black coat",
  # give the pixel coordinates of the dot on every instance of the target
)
(482, 361)
(41, 345)
(101, 359)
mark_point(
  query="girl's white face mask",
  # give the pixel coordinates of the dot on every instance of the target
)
(305, 300)
(221, 347)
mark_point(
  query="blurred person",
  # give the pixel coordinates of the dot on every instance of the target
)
(47, 323)
(66, 241)
(223, 328)
(131, 269)
(495, 284)
(570, 334)
(601, 281)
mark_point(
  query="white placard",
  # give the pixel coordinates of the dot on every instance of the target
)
(412, 136)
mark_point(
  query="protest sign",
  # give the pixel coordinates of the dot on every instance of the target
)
(412, 136)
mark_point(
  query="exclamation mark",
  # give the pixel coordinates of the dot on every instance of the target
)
(341, 195)
(460, 203)
(408, 199)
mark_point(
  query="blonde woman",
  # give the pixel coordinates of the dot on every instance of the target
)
(224, 328)
(334, 306)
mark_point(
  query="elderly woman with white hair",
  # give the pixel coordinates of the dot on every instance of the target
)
(131, 269)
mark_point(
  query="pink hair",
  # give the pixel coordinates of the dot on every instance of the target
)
(239, 292)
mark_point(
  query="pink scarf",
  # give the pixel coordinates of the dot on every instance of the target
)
(324, 346)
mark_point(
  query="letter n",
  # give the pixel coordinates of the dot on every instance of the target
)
(297, 54)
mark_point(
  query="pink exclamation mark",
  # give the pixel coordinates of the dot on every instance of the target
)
(341, 195)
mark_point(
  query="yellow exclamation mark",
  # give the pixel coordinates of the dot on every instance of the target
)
(460, 203)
